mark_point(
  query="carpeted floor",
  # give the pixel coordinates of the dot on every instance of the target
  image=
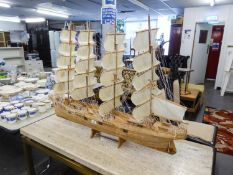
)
(223, 119)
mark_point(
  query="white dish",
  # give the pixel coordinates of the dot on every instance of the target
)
(31, 80)
(43, 91)
(28, 102)
(19, 105)
(14, 102)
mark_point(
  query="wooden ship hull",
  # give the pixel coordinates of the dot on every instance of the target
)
(120, 125)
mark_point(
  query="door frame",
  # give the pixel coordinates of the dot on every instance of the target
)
(217, 24)
(193, 42)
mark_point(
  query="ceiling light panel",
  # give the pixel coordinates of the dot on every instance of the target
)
(10, 19)
(5, 5)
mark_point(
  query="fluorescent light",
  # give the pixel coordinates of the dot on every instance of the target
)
(212, 3)
(34, 20)
(140, 4)
(10, 19)
(4, 5)
(52, 13)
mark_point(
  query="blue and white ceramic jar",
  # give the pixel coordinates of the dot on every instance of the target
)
(11, 118)
(22, 114)
(32, 112)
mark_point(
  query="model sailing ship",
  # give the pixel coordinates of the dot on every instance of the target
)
(150, 122)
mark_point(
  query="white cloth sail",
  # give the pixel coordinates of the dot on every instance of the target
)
(83, 37)
(168, 110)
(142, 62)
(141, 41)
(65, 36)
(62, 88)
(107, 77)
(61, 75)
(84, 50)
(64, 61)
(141, 112)
(142, 96)
(161, 108)
(107, 93)
(81, 93)
(142, 80)
(109, 43)
(82, 66)
(80, 80)
(106, 107)
(109, 60)
(64, 49)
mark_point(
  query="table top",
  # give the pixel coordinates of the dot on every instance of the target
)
(19, 124)
(201, 131)
(102, 155)
(192, 96)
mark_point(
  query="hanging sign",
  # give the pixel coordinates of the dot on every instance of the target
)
(120, 25)
(108, 15)
(110, 2)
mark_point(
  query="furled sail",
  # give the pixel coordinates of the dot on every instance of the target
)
(80, 80)
(85, 51)
(64, 49)
(109, 60)
(65, 36)
(107, 77)
(112, 39)
(148, 98)
(64, 61)
(62, 74)
(141, 41)
(161, 108)
(82, 66)
(142, 96)
(106, 107)
(63, 87)
(142, 62)
(65, 72)
(85, 79)
(111, 77)
(85, 37)
(142, 80)
(107, 93)
(81, 93)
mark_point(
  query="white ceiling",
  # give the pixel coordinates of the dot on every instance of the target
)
(90, 9)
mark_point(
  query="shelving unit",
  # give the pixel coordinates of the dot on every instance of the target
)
(4, 38)
(13, 56)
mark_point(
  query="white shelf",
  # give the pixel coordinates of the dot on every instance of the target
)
(13, 56)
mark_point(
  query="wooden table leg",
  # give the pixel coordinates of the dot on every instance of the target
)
(28, 157)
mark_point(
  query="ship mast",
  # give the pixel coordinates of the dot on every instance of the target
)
(116, 58)
(152, 64)
(88, 59)
(70, 55)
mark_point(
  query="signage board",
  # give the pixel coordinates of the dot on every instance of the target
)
(108, 15)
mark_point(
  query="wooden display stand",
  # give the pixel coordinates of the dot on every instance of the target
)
(192, 101)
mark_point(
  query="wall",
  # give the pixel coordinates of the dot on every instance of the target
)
(12, 26)
(193, 15)
(15, 29)
(131, 27)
